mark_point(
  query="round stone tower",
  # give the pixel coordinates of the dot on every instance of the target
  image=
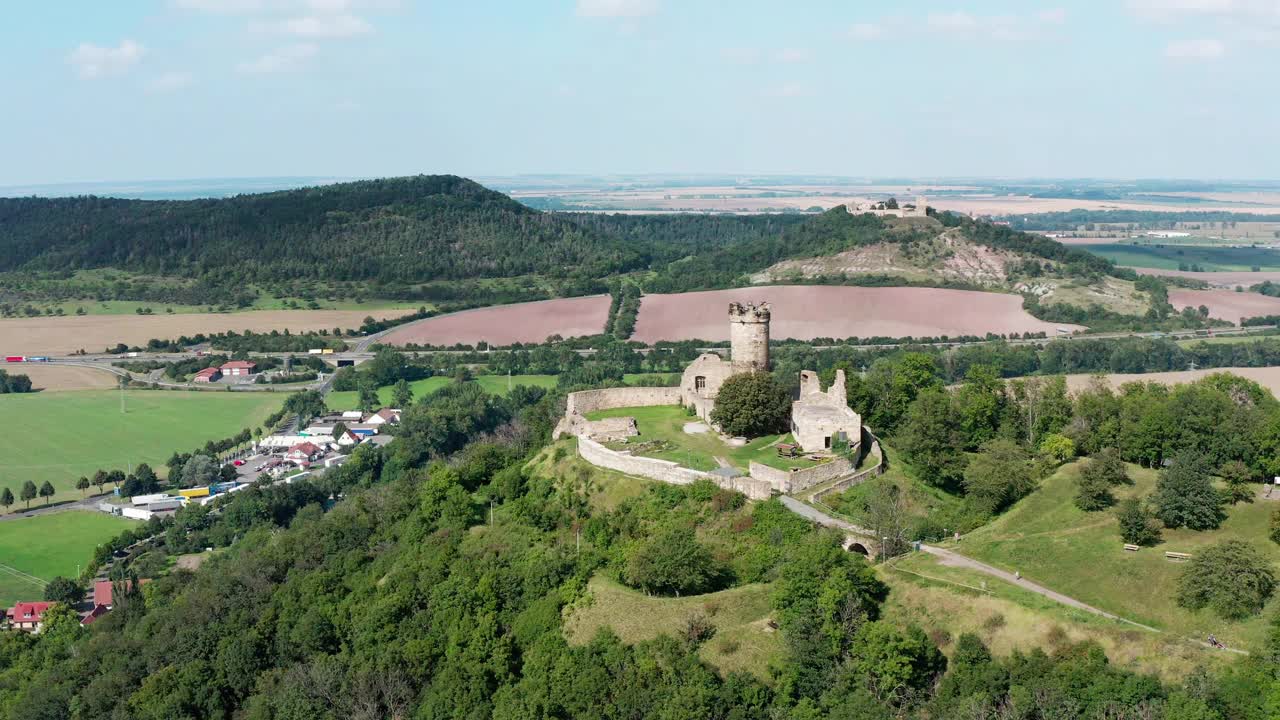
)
(749, 337)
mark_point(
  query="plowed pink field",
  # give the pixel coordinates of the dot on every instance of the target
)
(1226, 304)
(530, 322)
(807, 312)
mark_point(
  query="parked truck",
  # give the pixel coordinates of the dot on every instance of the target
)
(315, 351)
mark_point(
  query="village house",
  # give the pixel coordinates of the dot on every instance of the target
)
(28, 616)
(102, 592)
(305, 452)
(384, 416)
(239, 368)
(208, 375)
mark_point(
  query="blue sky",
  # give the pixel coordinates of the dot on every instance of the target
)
(156, 89)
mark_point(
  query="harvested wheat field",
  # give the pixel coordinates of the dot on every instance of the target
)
(804, 312)
(531, 322)
(1267, 377)
(63, 335)
(1226, 304)
(52, 378)
(1230, 279)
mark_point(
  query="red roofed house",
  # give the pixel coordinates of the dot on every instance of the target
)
(239, 368)
(210, 374)
(304, 452)
(28, 615)
(102, 592)
(97, 612)
(385, 415)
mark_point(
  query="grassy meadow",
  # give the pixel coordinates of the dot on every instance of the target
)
(47, 546)
(665, 423)
(496, 384)
(69, 434)
(1050, 541)
(743, 640)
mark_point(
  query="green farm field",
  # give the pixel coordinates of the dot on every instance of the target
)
(1171, 257)
(69, 434)
(47, 546)
(1050, 541)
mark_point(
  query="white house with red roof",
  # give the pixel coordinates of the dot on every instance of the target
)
(239, 368)
(207, 375)
(304, 452)
(28, 616)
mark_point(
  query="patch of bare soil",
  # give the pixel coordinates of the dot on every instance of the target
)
(531, 322)
(54, 378)
(1268, 377)
(1226, 304)
(93, 333)
(948, 256)
(806, 312)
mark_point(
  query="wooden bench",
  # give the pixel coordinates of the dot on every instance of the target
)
(787, 450)
(1131, 547)
(1177, 555)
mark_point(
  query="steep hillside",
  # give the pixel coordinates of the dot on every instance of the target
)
(398, 230)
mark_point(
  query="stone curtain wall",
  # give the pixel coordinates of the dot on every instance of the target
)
(665, 471)
(578, 404)
(610, 398)
(785, 481)
(858, 477)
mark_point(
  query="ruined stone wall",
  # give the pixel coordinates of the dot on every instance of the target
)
(714, 370)
(791, 481)
(578, 404)
(588, 401)
(877, 468)
(663, 470)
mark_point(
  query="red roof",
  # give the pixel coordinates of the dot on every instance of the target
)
(97, 612)
(102, 591)
(208, 372)
(25, 612)
(239, 365)
(305, 447)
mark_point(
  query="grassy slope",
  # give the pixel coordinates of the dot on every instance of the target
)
(1050, 541)
(743, 641)
(50, 545)
(68, 434)
(947, 601)
(666, 423)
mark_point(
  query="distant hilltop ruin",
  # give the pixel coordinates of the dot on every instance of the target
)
(888, 208)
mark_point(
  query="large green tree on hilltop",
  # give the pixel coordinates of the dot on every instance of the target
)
(1185, 496)
(752, 405)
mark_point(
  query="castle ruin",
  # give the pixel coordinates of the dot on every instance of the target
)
(888, 208)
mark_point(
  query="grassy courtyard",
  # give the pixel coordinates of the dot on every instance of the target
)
(1050, 541)
(47, 546)
(663, 425)
(69, 434)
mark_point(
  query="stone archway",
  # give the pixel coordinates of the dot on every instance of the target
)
(860, 545)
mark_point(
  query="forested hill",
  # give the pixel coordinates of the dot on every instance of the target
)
(395, 230)
(394, 234)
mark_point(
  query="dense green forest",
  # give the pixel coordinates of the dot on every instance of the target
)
(431, 579)
(439, 238)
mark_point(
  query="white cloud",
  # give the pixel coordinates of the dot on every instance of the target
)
(94, 61)
(221, 7)
(169, 82)
(283, 59)
(617, 8)
(316, 26)
(1200, 49)
(741, 56)
(866, 31)
(1052, 16)
(793, 55)
(787, 90)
